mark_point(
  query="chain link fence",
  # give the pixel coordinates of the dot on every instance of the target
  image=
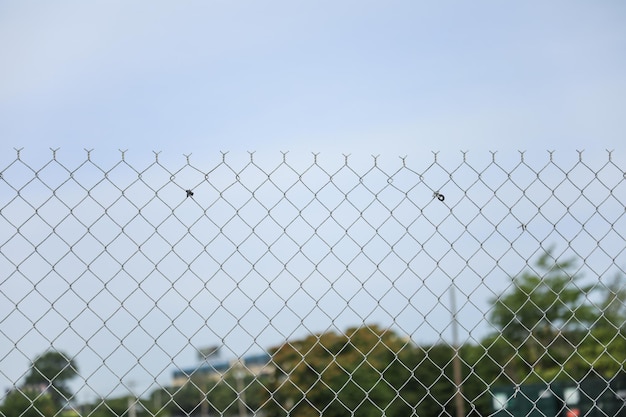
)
(308, 285)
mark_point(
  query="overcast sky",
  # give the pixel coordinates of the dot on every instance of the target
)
(359, 77)
(392, 76)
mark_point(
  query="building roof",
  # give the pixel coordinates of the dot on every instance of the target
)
(222, 366)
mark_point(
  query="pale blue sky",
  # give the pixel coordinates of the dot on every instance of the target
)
(394, 76)
(359, 77)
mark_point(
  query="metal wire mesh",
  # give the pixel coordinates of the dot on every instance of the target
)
(303, 285)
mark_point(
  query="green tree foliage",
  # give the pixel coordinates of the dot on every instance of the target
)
(543, 322)
(186, 400)
(52, 370)
(369, 371)
(604, 348)
(217, 396)
(159, 401)
(334, 374)
(110, 407)
(613, 305)
(28, 403)
(430, 388)
(121, 406)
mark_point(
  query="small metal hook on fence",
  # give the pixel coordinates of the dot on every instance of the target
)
(439, 196)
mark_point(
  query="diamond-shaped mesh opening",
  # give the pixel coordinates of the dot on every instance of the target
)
(456, 284)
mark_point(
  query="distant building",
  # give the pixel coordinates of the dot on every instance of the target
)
(255, 365)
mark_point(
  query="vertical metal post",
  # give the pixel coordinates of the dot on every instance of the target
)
(456, 360)
(132, 400)
(204, 405)
(239, 374)
(204, 385)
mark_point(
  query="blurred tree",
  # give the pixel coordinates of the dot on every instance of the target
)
(541, 321)
(188, 399)
(219, 395)
(52, 370)
(613, 304)
(158, 402)
(110, 407)
(360, 372)
(225, 397)
(604, 347)
(27, 403)
(431, 389)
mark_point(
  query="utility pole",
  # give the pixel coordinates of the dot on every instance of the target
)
(239, 375)
(456, 360)
(132, 400)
